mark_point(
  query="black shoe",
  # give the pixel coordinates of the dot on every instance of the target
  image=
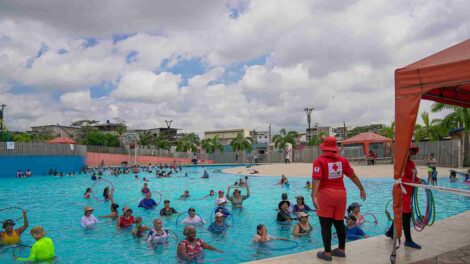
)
(412, 244)
(389, 234)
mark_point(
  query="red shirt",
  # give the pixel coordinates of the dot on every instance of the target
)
(330, 170)
(126, 222)
(410, 174)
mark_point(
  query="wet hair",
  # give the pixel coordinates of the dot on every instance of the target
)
(114, 207)
(351, 209)
(87, 190)
(259, 227)
(284, 196)
(106, 191)
(351, 217)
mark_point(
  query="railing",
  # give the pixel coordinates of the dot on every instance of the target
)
(42, 149)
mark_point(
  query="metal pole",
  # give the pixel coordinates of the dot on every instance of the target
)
(135, 154)
(308, 111)
(168, 124)
(344, 130)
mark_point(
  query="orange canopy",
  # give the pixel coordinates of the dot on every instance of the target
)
(62, 140)
(443, 77)
(366, 139)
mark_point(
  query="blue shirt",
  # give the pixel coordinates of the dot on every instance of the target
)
(147, 204)
(214, 228)
(222, 210)
(354, 233)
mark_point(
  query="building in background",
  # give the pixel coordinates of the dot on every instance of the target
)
(56, 131)
(227, 135)
(259, 136)
(317, 130)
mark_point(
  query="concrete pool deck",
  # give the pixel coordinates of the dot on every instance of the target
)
(305, 170)
(447, 241)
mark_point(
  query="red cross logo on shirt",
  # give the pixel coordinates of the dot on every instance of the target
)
(335, 167)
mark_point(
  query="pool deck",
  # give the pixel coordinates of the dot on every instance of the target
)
(447, 241)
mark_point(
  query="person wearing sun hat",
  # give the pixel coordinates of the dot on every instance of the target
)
(10, 235)
(126, 219)
(43, 249)
(329, 195)
(88, 220)
(303, 227)
(410, 174)
(221, 202)
(283, 215)
(218, 226)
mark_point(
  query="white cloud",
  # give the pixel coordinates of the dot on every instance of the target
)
(148, 86)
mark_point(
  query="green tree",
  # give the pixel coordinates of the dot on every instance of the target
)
(241, 144)
(145, 139)
(188, 142)
(431, 129)
(22, 137)
(161, 142)
(388, 131)
(99, 138)
(316, 139)
(210, 145)
(283, 138)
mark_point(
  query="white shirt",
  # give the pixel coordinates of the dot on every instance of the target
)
(89, 220)
(257, 237)
(195, 220)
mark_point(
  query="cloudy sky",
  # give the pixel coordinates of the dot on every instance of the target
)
(215, 64)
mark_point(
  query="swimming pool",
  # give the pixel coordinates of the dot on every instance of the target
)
(57, 204)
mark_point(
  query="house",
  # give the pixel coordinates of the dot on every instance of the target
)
(56, 131)
(227, 135)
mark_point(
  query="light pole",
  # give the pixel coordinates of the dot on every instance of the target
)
(168, 124)
(344, 130)
(308, 111)
(1, 118)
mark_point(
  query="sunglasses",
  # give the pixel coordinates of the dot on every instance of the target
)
(191, 210)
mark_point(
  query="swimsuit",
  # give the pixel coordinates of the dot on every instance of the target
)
(126, 222)
(194, 248)
(13, 239)
(155, 236)
(305, 231)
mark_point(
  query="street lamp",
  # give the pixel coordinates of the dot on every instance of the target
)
(344, 130)
(1, 118)
(308, 111)
(168, 124)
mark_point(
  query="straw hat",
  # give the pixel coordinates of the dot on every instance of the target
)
(126, 208)
(87, 208)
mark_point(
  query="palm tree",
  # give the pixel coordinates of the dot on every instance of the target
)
(284, 138)
(241, 144)
(145, 139)
(388, 131)
(161, 142)
(188, 142)
(210, 145)
(431, 130)
(317, 139)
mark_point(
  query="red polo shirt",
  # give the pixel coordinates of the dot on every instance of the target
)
(329, 169)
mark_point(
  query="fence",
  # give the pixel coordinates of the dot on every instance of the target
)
(42, 149)
(446, 152)
(140, 151)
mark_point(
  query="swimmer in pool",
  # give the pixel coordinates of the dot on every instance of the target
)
(237, 199)
(126, 219)
(114, 213)
(283, 215)
(107, 195)
(87, 194)
(139, 229)
(218, 226)
(191, 248)
(221, 202)
(308, 185)
(300, 206)
(167, 210)
(303, 227)
(88, 220)
(185, 195)
(353, 231)
(157, 234)
(10, 235)
(205, 175)
(145, 189)
(42, 249)
(211, 194)
(193, 219)
(136, 177)
(284, 180)
(148, 202)
(262, 235)
(355, 210)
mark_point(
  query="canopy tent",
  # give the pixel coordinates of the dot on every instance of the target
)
(62, 140)
(366, 139)
(443, 77)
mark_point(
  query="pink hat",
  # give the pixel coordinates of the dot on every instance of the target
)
(329, 144)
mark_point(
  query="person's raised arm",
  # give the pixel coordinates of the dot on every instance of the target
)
(358, 183)
(25, 223)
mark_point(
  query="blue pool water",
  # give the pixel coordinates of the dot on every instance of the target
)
(57, 204)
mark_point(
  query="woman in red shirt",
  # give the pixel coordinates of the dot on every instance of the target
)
(329, 195)
(409, 175)
(126, 219)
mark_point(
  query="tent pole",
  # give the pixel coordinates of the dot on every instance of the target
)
(393, 256)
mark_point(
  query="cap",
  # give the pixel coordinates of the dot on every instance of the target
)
(8, 222)
(302, 214)
(353, 205)
(329, 144)
(166, 201)
(219, 214)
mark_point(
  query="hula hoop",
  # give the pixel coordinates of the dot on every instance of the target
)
(185, 213)
(387, 213)
(294, 244)
(93, 186)
(376, 222)
(159, 200)
(421, 221)
(21, 246)
(174, 234)
(13, 208)
(229, 213)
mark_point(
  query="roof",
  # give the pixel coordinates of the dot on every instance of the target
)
(366, 137)
(62, 140)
